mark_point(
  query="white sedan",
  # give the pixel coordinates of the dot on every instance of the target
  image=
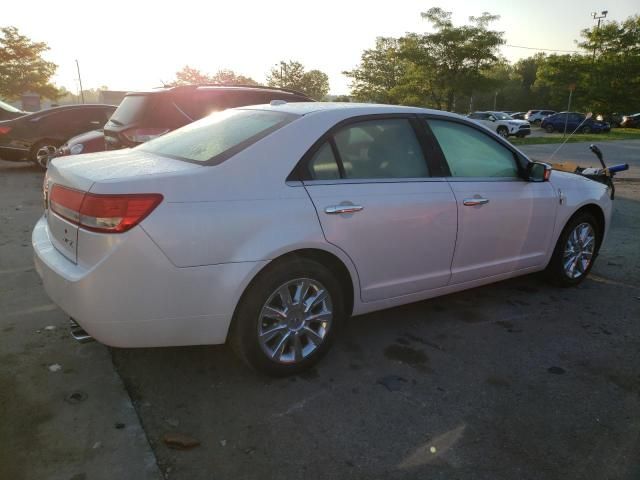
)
(267, 226)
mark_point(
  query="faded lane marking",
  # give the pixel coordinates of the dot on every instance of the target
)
(28, 311)
(597, 278)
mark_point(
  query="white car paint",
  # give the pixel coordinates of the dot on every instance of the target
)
(177, 277)
(494, 121)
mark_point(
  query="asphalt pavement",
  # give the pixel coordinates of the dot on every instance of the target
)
(514, 380)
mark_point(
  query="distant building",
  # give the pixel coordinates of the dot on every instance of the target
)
(30, 102)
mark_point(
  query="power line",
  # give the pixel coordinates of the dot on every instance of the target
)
(544, 49)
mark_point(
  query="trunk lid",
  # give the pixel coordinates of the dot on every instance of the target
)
(81, 172)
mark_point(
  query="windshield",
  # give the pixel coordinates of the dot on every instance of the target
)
(502, 116)
(9, 108)
(225, 132)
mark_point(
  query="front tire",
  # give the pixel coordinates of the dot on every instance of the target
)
(41, 152)
(288, 317)
(549, 128)
(575, 251)
(586, 129)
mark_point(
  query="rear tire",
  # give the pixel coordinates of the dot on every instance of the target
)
(503, 132)
(575, 251)
(586, 129)
(549, 128)
(300, 341)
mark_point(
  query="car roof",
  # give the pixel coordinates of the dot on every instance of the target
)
(65, 108)
(252, 88)
(346, 108)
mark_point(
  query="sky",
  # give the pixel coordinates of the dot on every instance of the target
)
(138, 44)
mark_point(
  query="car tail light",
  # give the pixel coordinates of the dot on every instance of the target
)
(141, 135)
(4, 130)
(102, 213)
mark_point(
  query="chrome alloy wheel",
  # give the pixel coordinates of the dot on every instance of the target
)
(44, 154)
(578, 252)
(295, 320)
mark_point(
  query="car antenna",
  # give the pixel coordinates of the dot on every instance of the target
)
(586, 117)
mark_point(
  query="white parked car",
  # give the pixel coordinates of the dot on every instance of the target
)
(267, 226)
(502, 123)
(536, 116)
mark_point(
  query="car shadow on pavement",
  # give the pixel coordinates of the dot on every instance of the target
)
(484, 383)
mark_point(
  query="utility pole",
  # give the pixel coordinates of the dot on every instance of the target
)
(595, 16)
(566, 119)
(283, 73)
(80, 80)
(495, 101)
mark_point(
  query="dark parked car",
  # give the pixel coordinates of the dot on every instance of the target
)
(575, 120)
(613, 119)
(518, 115)
(8, 112)
(37, 135)
(145, 115)
(631, 121)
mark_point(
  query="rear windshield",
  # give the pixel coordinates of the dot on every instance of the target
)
(218, 136)
(130, 109)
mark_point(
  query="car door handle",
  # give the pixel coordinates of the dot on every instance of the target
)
(472, 202)
(334, 209)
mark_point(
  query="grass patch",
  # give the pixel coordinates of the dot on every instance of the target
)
(614, 134)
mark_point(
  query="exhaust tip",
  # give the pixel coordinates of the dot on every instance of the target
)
(78, 333)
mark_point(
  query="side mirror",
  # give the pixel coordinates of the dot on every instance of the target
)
(492, 118)
(538, 172)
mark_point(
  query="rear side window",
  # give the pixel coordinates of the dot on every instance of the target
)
(323, 165)
(470, 153)
(130, 109)
(385, 148)
(218, 136)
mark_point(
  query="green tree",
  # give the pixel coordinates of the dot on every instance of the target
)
(431, 69)
(459, 55)
(190, 76)
(229, 77)
(22, 68)
(380, 72)
(292, 74)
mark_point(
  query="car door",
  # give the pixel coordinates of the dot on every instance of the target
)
(383, 203)
(505, 223)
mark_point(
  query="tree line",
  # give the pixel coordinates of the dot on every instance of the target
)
(459, 68)
(451, 67)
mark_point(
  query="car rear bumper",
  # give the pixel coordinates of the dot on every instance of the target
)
(134, 297)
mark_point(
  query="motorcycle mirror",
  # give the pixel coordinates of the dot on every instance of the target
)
(589, 115)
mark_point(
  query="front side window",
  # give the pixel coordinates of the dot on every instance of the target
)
(220, 134)
(471, 153)
(386, 148)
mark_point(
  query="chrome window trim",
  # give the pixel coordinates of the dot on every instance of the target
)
(360, 181)
(486, 179)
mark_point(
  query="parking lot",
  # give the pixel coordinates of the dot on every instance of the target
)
(514, 380)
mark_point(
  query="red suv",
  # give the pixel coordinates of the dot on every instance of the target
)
(145, 115)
